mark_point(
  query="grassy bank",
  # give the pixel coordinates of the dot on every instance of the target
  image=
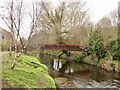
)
(28, 73)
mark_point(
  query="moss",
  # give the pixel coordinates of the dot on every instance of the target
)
(46, 81)
(19, 77)
(27, 73)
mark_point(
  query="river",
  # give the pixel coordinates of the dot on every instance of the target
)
(79, 75)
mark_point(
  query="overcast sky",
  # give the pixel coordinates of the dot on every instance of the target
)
(97, 8)
(100, 8)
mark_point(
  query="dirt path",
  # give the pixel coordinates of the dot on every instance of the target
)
(3, 53)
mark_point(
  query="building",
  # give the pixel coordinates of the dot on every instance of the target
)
(5, 39)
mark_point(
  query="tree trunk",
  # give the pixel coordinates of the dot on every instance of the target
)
(10, 48)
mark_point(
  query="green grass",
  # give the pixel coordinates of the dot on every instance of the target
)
(28, 73)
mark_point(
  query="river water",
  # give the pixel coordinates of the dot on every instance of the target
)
(79, 75)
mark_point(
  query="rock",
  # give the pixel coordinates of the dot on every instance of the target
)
(60, 81)
(107, 65)
(64, 83)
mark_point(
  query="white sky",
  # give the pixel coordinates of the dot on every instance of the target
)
(98, 8)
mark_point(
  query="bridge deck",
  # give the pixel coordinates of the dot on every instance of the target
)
(63, 47)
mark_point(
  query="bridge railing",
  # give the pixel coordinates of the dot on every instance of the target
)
(63, 47)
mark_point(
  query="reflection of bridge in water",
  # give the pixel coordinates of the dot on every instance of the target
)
(57, 62)
(68, 47)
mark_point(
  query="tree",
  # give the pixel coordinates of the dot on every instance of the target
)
(42, 37)
(75, 15)
(51, 19)
(113, 16)
(96, 45)
(76, 22)
(14, 20)
(62, 19)
(107, 30)
(104, 23)
(114, 49)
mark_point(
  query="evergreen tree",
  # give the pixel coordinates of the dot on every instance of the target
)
(96, 45)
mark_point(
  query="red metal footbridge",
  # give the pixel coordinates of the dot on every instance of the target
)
(69, 47)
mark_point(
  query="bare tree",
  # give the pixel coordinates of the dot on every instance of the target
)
(62, 18)
(51, 19)
(34, 15)
(107, 29)
(76, 22)
(104, 23)
(14, 21)
(76, 14)
(10, 20)
(114, 17)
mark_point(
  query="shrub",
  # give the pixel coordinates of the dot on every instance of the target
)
(5, 46)
(96, 45)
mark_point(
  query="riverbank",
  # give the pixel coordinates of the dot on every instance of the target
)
(106, 63)
(28, 73)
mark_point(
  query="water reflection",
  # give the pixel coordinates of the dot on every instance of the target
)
(57, 64)
(69, 70)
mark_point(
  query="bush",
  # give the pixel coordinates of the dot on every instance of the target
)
(114, 48)
(96, 45)
(5, 46)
